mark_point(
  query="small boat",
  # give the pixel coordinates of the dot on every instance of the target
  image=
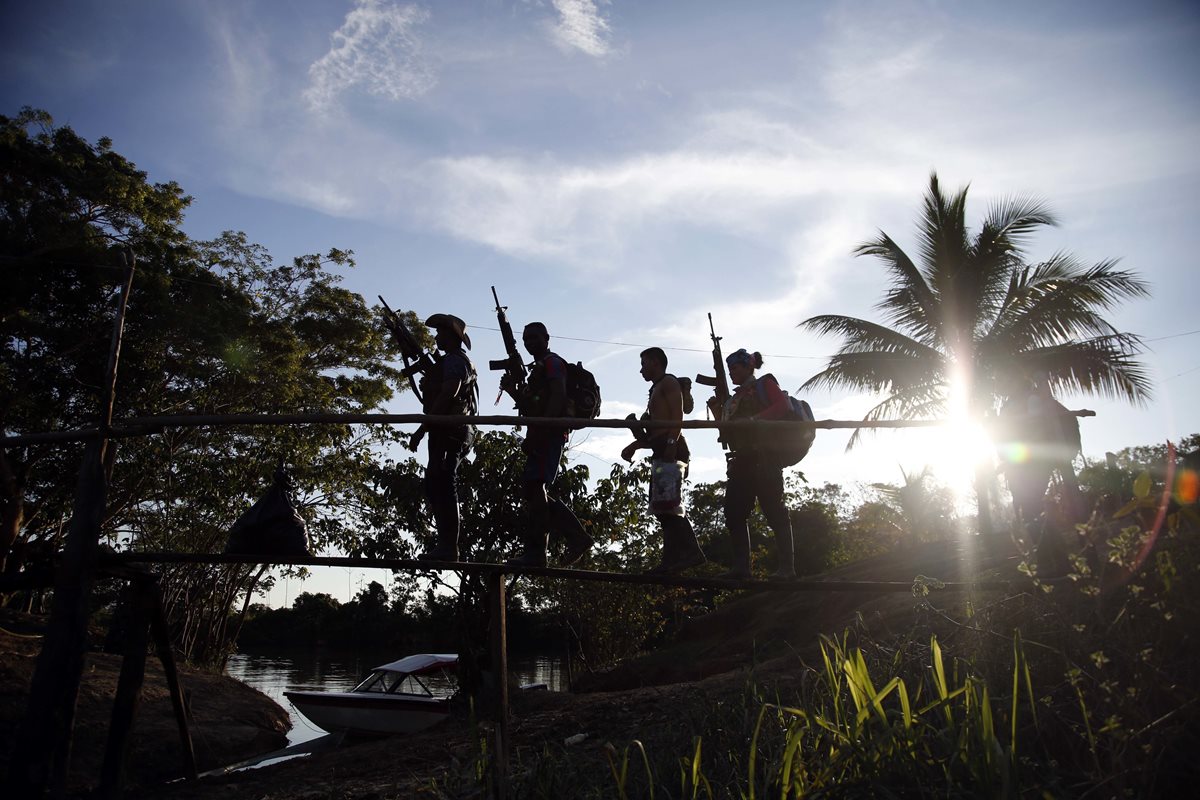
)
(404, 696)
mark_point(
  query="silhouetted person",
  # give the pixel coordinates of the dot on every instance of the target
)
(451, 388)
(546, 396)
(754, 473)
(669, 457)
(1039, 437)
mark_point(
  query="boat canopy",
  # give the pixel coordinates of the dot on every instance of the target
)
(422, 663)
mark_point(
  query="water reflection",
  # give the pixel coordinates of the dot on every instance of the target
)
(334, 671)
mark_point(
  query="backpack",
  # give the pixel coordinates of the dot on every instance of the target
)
(271, 526)
(583, 393)
(792, 444)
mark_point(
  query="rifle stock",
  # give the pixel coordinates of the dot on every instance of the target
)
(513, 365)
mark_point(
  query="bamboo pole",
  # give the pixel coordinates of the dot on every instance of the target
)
(41, 758)
(146, 426)
(499, 647)
(162, 643)
(114, 772)
(412, 565)
(44, 740)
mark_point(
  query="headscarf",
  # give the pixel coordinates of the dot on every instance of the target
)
(740, 357)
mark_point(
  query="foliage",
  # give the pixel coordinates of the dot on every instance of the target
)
(1079, 687)
(970, 315)
(213, 327)
(918, 510)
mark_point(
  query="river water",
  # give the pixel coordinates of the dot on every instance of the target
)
(338, 671)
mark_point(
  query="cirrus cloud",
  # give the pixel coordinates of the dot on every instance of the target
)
(377, 49)
(580, 26)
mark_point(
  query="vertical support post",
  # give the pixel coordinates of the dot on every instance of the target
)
(114, 347)
(43, 743)
(42, 755)
(129, 691)
(162, 642)
(499, 647)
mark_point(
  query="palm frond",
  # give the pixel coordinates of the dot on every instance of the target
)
(861, 334)
(911, 303)
(914, 402)
(872, 357)
(1104, 365)
(876, 372)
(1059, 300)
(1010, 220)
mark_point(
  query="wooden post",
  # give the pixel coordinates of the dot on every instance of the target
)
(162, 642)
(499, 646)
(129, 691)
(42, 755)
(44, 740)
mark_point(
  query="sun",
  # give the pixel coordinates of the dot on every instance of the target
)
(955, 451)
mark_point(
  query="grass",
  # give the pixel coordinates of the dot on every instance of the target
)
(1083, 687)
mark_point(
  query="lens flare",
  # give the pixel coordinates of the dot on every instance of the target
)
(1187, 487)
(1015, 452)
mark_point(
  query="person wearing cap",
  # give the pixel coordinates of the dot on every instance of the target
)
(754, 473)
(451, 388)
(545, 396)
(669, 457)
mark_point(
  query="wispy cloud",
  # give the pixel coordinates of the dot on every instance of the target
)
(376, 49)
(581, 26)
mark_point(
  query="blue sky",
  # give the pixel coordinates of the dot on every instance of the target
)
(618, 169)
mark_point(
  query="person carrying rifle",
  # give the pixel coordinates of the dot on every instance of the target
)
(450, 388)
(545, 395)
(753, 472)
(669, 457)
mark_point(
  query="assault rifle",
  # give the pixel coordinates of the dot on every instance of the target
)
(513, 379)
(719, 381)
(416, 360)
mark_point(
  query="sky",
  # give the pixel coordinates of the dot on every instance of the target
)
(618, 170)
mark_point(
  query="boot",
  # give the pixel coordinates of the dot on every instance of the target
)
(564, 521)
(447, 521)
(668, 549)
(739, 568)
(785, 567)
(684, 551)
(533, 554)
(440, 552)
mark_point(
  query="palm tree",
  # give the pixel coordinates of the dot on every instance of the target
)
(921, 510)
(971, 316)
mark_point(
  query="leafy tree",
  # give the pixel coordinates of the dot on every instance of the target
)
(64, 204)
(213, 327)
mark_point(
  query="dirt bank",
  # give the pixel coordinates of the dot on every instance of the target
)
(230, 721)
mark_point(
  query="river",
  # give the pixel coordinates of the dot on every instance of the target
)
(338, 671)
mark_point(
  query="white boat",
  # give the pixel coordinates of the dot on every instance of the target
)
(401, 697)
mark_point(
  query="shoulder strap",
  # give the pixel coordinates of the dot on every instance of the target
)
(760, 389)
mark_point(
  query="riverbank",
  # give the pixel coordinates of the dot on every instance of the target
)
(741, 691)
(229, 720)
(709, 685)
